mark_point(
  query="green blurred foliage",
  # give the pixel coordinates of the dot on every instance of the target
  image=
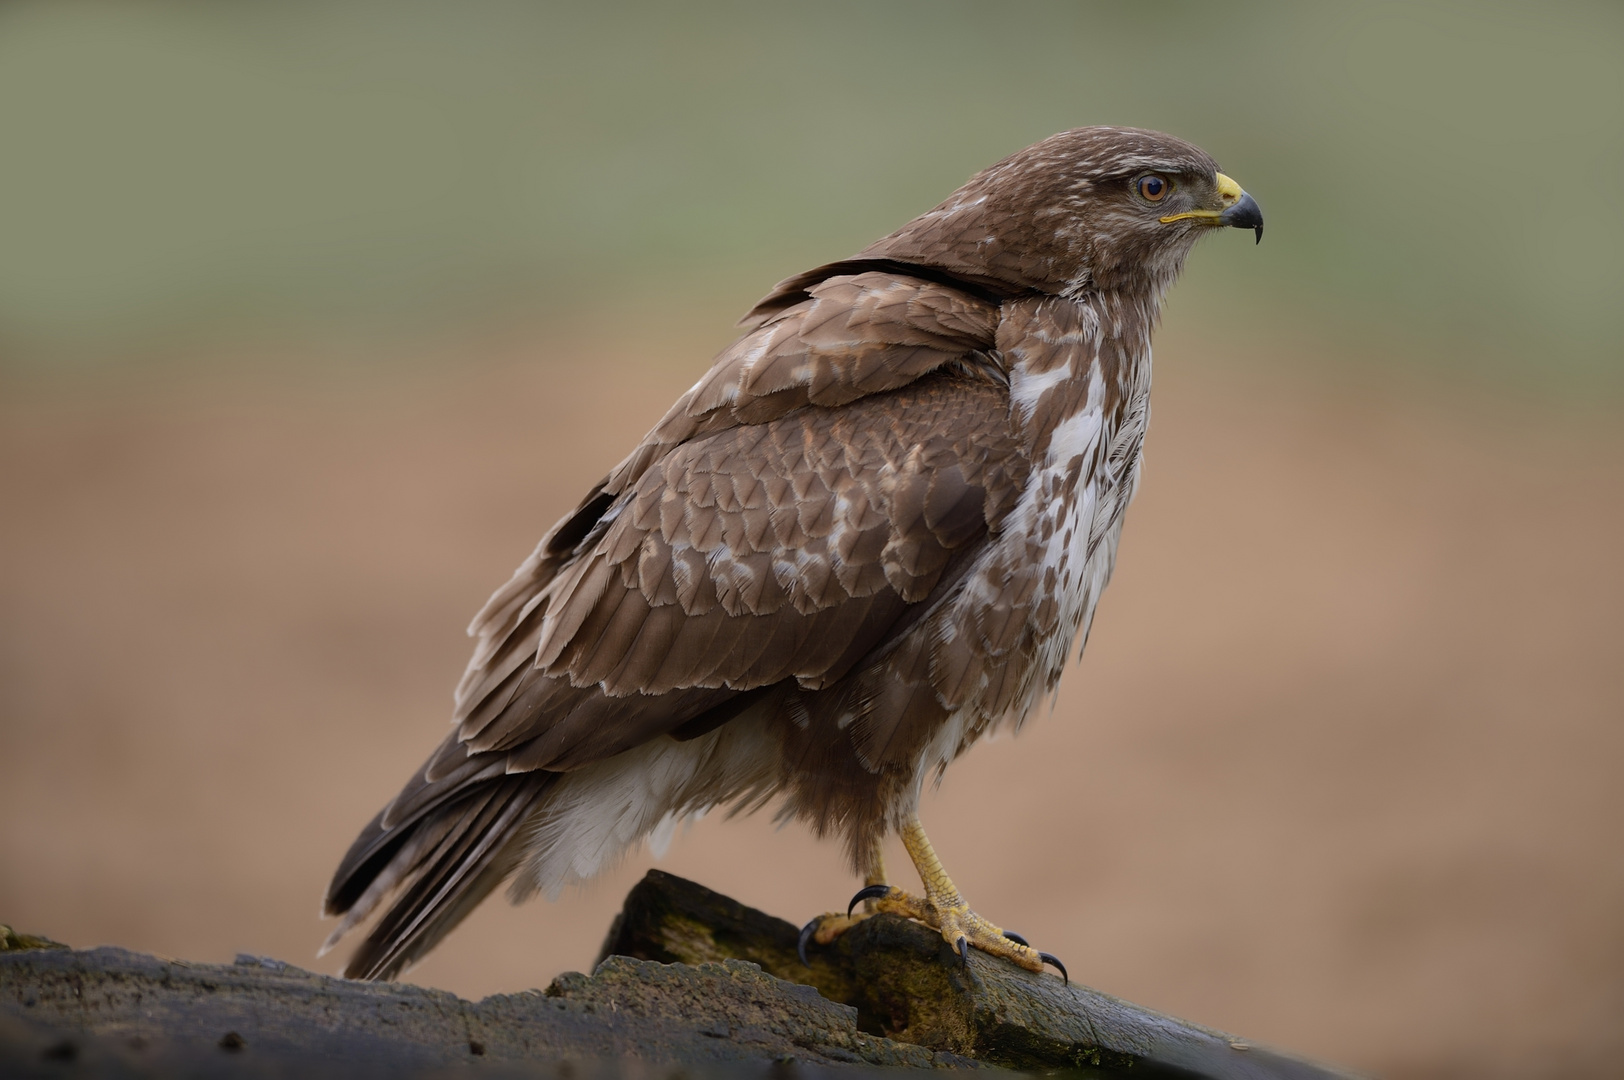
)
(1439, 178)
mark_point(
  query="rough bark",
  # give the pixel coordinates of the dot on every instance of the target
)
(691, 980)
(908, 985)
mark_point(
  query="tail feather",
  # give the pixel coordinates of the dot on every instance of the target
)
(443, 861)
(396, 824)
(457, 872)
(399, 852)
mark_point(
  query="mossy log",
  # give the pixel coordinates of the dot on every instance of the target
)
(690, 980)
(909, 986)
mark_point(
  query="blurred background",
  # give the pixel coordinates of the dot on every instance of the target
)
(314, 316)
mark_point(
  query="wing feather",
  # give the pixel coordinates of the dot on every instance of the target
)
(757, 541)
(881, 500)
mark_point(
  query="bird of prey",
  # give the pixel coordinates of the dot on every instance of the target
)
(870, 534)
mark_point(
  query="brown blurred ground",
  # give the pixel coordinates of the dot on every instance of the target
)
(1340, 771)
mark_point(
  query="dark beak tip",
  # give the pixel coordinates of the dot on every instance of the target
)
(1245, 215)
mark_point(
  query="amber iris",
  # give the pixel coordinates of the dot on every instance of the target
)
(1154, 188)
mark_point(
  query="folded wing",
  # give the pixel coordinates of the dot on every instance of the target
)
(800, 506)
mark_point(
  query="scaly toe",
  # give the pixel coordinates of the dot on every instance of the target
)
(960, 927)
(893, 901)
(887, 898)
(823, 929)
(963, 928)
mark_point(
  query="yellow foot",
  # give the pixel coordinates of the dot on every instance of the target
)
(960, 927)
(941, 909)
(824, 928)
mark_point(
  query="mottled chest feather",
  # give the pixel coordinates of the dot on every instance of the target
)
(1077, 409)
(1079, 402)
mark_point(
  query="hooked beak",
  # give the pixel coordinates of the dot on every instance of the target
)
(1244, 215)
(1240, 210)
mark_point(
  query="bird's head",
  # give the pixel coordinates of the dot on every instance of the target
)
(1096, 208)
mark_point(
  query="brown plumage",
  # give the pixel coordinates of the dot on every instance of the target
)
(871, 532)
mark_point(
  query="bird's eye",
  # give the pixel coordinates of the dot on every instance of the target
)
(1154, 188)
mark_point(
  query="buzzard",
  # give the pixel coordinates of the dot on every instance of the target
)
(869, 535)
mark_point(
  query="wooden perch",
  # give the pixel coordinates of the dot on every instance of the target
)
(689, 978)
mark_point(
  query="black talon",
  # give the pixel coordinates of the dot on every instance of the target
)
(1017, 939)
(868, 892)
(1050, 958)
(964, 949)
(806, 935)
